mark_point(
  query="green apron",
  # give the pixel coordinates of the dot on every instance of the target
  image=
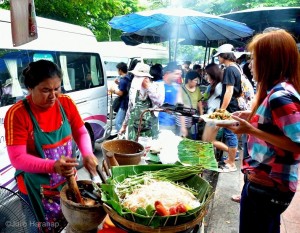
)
(43, 189)
(149, 126)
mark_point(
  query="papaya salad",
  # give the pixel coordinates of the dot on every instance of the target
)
(158, 192)
(220, 114)
(157, 195)
(164, 197)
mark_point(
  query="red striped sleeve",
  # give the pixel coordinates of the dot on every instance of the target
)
(15, 129)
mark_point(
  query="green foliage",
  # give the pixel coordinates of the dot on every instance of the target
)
(190, 53)
(93, 14)
(217, 7)
(5, 4)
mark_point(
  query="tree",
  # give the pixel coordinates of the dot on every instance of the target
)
(217, 7)
(93, 14)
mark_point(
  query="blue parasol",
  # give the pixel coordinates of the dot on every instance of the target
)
(179, 23)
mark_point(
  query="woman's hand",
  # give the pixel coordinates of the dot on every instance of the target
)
(122, 130)
(242, 114)
(65, 166)
(240, 127)
(146, 83)
(90, 162)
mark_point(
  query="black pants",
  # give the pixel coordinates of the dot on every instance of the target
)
(261, 207)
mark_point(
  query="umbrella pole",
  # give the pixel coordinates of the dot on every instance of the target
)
(175, 49)
(208, 56)
(170, 52)
(176, 41)
(205, 55)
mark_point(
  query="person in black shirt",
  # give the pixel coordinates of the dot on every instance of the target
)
(231, 89)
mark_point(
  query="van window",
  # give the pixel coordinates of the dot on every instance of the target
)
(80, 71)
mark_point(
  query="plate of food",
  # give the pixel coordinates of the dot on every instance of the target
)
(219, 116)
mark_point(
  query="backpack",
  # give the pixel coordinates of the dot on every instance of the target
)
(247, 92)
(129, 77)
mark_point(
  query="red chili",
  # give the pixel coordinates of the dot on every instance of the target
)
(160, 209)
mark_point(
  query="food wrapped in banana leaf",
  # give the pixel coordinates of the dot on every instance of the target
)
(197, 152)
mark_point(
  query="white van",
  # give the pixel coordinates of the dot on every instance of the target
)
(73, 48)
(114, 52)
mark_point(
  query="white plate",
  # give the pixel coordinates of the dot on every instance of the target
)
(216, 121)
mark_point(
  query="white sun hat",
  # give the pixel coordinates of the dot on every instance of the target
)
(225, 48)
(141, 70)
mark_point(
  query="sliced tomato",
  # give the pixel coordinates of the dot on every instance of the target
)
(173, 210)
(181, 208)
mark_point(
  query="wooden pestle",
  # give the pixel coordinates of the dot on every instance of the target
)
(74, 189)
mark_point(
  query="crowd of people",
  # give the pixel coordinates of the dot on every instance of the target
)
(267, 128)
(40, 128)
(204, 89)
(171, 84)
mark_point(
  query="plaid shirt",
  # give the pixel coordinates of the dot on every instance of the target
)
(279, 114)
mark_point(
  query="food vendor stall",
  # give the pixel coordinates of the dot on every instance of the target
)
(146, 198)
(164, 192)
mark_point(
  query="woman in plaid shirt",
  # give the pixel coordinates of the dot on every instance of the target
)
(273, 128)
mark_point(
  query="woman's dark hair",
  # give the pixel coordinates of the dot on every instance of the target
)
(216, 75)
(247, 72)
(156, 71)
(228, 56)
(196, 66)
(133, 63)
(38, 71)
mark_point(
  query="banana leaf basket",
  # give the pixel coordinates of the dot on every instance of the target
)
(134, 222)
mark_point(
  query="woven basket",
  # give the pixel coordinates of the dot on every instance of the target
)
(134, 222)
(135, 227)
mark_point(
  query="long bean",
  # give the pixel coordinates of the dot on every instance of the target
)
(171, 174)
(178, 173)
